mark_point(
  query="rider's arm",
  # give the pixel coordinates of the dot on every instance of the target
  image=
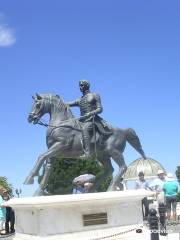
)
(73, 103)
(99, 107)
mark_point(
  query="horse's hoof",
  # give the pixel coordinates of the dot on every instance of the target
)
(29, 181)
(110, 189)
(38, 192)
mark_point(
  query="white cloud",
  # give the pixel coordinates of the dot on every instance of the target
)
(7, 36)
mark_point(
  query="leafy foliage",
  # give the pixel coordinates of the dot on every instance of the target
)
(178, 177)
(178, 196)
(65, 170)
(5, 184)
(178, 173)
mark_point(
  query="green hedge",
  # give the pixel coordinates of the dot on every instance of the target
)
(178, 196)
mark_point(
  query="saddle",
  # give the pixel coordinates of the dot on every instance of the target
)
(102, 129)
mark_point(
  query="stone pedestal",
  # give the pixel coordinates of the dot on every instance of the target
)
(57, 217)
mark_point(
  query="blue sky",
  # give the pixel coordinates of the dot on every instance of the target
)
(128, 50)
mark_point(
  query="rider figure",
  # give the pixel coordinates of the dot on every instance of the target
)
(90, 106)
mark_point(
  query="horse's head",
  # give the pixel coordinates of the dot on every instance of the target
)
(49, 103)
(37, 109)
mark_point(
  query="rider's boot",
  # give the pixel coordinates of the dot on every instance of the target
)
(87, 147)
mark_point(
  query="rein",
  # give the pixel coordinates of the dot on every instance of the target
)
(60, 126)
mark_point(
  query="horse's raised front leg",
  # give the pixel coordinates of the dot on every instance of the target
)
(119, 159)
(52, 151)
(44, 181)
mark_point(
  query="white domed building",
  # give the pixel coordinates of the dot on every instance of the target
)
(148, 166)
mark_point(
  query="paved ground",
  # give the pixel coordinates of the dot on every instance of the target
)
(118, 233)
(174, 227)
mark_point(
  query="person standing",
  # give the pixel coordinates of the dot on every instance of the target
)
(2, 211)
(10, 217)
(78, 189)
(143, 184)
(170, 189)
(88, 187)
(157, 186)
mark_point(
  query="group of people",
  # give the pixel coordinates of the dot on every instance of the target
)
(81, 187)
(165, 188)
(7, 218)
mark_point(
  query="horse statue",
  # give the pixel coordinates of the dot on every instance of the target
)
(64, 140)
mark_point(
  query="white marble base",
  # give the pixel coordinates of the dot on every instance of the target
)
(54, 217)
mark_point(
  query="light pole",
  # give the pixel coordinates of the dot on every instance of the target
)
(18, 192)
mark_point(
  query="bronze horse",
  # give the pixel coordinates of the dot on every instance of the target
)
(64, 140)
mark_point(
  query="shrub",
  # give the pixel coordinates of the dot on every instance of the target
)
(178, 196)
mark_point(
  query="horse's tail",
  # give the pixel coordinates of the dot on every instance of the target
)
(134, 141)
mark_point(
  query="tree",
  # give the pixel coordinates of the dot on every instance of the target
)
(5, 184)
(178, 177)
(178, 173)
(64, 171)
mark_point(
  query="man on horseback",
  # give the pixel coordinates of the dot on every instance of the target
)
(64, 136)
(90, 106)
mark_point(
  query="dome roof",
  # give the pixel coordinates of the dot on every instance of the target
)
(149, 166)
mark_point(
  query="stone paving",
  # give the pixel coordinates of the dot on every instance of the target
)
(118, 233)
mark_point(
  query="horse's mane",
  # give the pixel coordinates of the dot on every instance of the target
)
(59, 103)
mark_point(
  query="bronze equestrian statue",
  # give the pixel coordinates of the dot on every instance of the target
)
(88, 137)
